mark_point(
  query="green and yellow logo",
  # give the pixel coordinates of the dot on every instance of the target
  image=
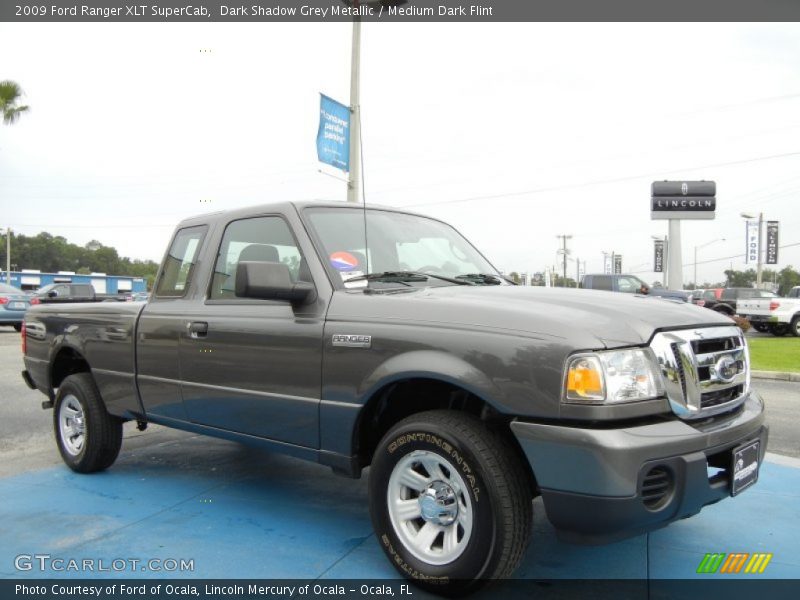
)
(738, 562)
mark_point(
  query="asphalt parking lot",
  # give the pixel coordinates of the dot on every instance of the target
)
(240, 513)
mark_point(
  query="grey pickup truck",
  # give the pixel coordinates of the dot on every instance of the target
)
(358, 337)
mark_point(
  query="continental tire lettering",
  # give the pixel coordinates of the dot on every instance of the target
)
(406, 568)
(446, 447)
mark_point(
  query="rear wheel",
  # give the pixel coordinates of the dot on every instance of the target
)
(794, 327)
(762, 327)
(779, 329)
(450, 502)
(17, 327)
(88, 437)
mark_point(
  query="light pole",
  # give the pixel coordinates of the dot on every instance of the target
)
(354, 176)
(758, 262)
(695, 256)
(8, 255)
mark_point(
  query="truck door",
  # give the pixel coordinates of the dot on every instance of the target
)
(254, 366)
(162, 324)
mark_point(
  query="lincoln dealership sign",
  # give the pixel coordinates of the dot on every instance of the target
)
(683, 200)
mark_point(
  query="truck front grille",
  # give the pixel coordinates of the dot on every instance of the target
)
(706, 371)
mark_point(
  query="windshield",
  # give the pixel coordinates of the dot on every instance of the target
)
(396, 242)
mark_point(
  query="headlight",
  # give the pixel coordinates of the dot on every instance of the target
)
(613, 377)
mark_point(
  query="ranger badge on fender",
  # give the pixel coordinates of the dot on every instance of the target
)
(352, 341)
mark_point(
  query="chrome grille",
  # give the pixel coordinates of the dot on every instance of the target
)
(706, 371)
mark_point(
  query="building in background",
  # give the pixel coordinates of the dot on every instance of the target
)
(30, 280)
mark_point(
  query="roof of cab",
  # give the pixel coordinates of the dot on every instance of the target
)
(249, 211)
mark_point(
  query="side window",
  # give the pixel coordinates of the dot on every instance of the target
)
(264, 239)
(629, 285)
(176, 274)
(602, 282)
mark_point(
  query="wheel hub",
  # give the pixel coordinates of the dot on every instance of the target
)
(438, 504)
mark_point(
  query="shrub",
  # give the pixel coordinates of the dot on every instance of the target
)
(743, 323)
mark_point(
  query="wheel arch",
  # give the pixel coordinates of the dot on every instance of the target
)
(422, 381)
(66, 361)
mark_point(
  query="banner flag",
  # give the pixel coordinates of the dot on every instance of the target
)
(752, 250)
(658, 257)
(333, 136)
(772, 242)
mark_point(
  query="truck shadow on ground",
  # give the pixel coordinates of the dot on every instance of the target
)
(243, 513)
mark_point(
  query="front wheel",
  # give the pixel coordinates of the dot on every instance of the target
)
(88, 437)
(450, 502)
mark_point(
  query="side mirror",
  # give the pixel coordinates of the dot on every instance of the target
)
(270, 281)
(52, 294)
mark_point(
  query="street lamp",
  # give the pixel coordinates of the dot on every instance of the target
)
(695, 256)
(760, 216)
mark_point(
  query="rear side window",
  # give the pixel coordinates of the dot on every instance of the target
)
(176, 274)
(82, 290)
(601, 282)
(259, 239)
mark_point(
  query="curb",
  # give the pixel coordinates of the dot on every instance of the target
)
(780, 376)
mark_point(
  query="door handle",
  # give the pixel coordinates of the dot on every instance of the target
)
(197, 329)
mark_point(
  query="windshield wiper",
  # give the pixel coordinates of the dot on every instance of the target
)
(406, 276)
(484, 278)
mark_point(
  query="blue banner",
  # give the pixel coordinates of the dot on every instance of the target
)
(333, 137)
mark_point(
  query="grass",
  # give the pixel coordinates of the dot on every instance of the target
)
(775, 354)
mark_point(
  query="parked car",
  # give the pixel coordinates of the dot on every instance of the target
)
(466, 396)
(13, 304)
(630, 284)
(725, 300)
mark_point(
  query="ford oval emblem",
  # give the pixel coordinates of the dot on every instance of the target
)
(684, 188)
(727, 368)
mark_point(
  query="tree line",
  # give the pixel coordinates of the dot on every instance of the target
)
(50, 254)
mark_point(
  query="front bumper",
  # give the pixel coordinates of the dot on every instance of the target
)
(591, 479)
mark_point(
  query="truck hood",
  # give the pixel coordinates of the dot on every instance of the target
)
(588, 318)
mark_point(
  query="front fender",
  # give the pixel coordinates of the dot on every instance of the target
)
(431, 364)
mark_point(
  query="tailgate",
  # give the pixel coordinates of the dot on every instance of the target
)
(754, 306)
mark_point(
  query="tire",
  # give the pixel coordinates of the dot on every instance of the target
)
(779, 329)
(17, 327)
(478, 502)
(761, 327)
(88, 437)
(794, 326)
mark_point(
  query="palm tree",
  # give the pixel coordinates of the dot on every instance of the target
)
(10, 93)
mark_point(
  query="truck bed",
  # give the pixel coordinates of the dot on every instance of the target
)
(102, 332)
